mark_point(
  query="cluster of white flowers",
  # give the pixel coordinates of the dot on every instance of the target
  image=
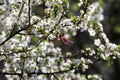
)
(31, 50)
(67, 24)
(95, 77)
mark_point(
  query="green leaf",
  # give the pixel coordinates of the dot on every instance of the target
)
(118, 48)
(63, 78)
(99, 50)
(65, 1)
(86, 1)
(56, 7)
(24, 48)
(34, 40)
(58, 61)
(74, 18)
(1, 11)
(41, 29)
(101, 3)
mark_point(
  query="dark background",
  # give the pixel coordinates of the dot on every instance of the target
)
(111, 25)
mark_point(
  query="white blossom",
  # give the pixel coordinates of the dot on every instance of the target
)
(91, 31)
(102, 56)
(97, 42)
(80, 3)
(111, 46)
(49, 4)
(10, 21)
(60, 1)
(102, 47)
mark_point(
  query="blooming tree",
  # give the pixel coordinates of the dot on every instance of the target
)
(27, 40)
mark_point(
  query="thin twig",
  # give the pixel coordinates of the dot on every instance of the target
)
(55, 77)
(21, 9)
(29, 12)
(23, 63)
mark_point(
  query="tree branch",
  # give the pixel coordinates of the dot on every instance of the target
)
(38, 73)
(25, 27)
(29, 12)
